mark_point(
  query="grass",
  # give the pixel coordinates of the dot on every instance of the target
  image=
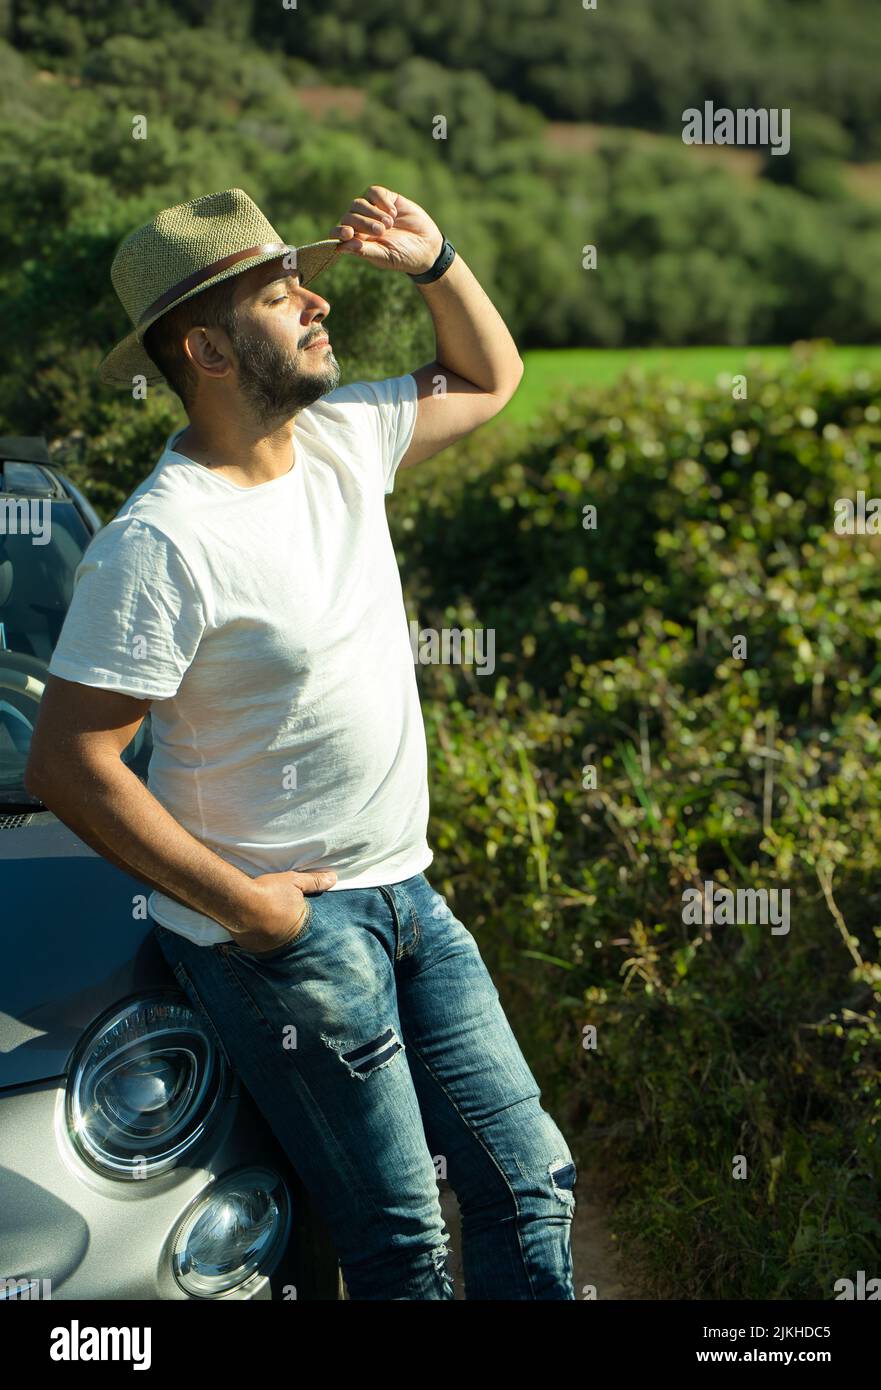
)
(555, 371)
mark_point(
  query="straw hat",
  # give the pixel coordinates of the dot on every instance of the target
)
(183, 250)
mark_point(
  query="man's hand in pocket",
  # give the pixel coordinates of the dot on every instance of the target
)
(279, 909)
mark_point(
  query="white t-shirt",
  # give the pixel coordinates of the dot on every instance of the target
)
(267, 625)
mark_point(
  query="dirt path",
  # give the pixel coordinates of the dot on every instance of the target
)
(595, 1257)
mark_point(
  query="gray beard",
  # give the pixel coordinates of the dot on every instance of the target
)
(272, 384)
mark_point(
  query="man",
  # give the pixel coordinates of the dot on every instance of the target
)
(247, 595)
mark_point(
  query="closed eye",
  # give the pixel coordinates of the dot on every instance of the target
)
(285, 291)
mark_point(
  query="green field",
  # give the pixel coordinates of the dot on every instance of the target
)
(556, 371)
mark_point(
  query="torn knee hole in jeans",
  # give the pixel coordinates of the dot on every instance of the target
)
(562, 1175)
(364, 1058)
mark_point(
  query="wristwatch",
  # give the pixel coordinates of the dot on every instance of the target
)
(446, 256)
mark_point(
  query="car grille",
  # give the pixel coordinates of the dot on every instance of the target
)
(17, 821)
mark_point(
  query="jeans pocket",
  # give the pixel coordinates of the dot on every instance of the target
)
(280, 952)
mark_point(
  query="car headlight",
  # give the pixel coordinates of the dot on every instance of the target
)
(144, 1087)
(239, 1228)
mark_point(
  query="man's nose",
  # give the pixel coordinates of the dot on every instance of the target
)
(316, 309)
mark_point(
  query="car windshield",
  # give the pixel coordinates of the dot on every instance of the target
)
(36, 582)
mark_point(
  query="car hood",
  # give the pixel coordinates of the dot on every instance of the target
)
(74, 942)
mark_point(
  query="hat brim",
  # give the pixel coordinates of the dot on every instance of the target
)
(129, 359)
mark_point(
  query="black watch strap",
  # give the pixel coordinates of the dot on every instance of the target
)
(445, 259)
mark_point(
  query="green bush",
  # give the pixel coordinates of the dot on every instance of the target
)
(614, 649)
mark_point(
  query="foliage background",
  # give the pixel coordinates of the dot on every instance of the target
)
(613, 646)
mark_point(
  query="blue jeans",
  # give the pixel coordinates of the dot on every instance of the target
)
(377, 1049)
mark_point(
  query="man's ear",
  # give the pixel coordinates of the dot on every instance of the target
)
(209, 350)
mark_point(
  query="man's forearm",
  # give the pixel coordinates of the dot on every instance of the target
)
(472, 338)
(112, 811)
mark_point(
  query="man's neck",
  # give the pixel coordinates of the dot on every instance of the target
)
(246, 453)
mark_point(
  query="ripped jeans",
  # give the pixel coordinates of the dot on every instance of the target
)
(377, 1049)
